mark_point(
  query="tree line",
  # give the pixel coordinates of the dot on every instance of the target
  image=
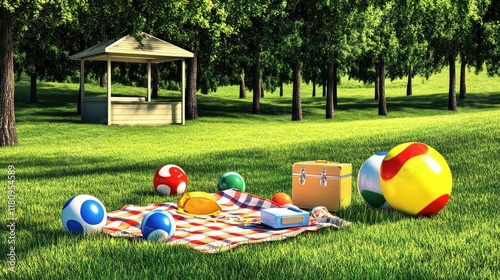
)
(255, 43)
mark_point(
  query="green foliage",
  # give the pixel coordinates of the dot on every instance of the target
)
(407, 35)
(494, 41)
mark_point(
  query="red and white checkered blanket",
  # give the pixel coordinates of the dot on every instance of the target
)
(238, 223)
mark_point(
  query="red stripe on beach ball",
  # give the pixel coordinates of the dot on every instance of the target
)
(391, 167)
(435, 206)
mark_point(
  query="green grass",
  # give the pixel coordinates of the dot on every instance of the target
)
(58, 157)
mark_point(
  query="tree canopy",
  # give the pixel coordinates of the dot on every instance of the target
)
(262, 43)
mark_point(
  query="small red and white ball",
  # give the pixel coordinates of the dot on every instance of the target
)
(170, 179)
(83, 214)
(158, 226)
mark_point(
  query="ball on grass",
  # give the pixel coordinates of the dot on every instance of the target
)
(369, 182)
(170, 179)
(231, 180)
(158, 226)
(83, 214)
(415, 179)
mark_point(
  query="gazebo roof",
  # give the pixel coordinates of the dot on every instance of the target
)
(128, 49)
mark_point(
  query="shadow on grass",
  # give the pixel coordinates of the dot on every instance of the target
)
(59, 104)
(417, 105)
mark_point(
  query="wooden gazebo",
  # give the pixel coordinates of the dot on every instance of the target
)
(132, 110)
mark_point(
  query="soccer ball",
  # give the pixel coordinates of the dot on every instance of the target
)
(231, 180)
(415, 179)
(158, 226)
(369, 182)
(83, 214)
(170, 179)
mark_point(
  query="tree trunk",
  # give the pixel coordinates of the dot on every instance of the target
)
(256, 87)
(330, 91)
(155, 81)
(314, 89)
(324, 81)
(191, 103)
(243, 88)
(33, 95)
(382, 105)
(261, 89)
(409, 85)
(281, 89)
(377, 82)
(296, 102)
(103, 71)
(79, 102)
(452, 94)
(463, 86)
(335, 98)
(8, 134)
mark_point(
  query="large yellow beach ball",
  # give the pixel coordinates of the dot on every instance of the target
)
(415, 179)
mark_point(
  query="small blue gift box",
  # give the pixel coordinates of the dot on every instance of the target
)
(284, 217)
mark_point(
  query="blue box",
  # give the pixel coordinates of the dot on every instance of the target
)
(284, 217)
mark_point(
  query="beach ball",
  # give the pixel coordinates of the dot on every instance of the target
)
(415, 179)
(369, 182)
(158, 225)
(83, 214)
(231, 180)
(170, 179)
(281, 199)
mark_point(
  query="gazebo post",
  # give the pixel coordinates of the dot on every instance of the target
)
(109, 88)
(149, 82)
(82, 88)
(183, 92)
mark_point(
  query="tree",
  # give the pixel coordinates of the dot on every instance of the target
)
(13, 18)
(381, 46)
(382, 105)
(255, 46)
(291, 47)
(296, 99)
(40, 52)
(8, 134)
(191, 101)
(199, 26)
(488, 37)
(455, 37)
(243, 88)
(333, 36)
(412, 55)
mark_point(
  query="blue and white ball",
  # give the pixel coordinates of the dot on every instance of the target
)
(369, 182)
(158, 226)
(83, 214)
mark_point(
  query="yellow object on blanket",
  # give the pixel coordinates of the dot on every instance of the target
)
(198, 203)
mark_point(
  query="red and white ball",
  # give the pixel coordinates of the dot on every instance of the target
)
(170, 179)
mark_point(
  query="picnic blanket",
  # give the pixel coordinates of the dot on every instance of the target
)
(238, 223)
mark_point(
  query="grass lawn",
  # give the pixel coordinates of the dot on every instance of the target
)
(59, 157)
